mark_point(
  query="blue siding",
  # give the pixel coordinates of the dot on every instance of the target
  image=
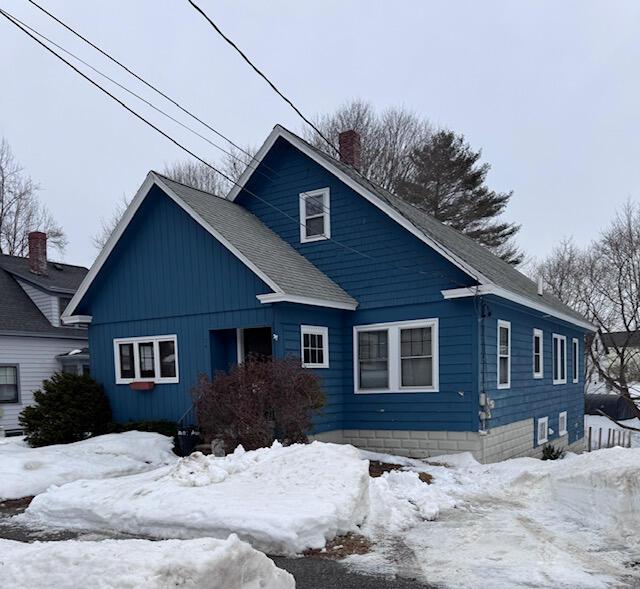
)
(529, 397)
(168, 275)
(404, 271)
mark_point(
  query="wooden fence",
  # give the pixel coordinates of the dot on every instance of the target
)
(599, 437)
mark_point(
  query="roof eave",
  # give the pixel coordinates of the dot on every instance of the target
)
(491, 289)
(315, 302)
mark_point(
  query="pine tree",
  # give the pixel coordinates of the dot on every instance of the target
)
(448, 182)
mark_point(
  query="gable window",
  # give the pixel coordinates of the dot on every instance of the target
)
(152, 359)
(559, 359)
(315, 346)
(9, 384)
(538, 367)
(562, 423)
(315, 219)
(574, 359)
(396, 357)
(504, 354)
(543, 430)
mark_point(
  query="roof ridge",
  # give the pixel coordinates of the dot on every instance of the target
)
(26, 258)
(187, 185)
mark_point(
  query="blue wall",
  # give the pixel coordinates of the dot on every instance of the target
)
(529, 397)
(167, 275)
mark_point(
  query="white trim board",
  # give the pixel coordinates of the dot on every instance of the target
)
(492, 289)
(154, 179)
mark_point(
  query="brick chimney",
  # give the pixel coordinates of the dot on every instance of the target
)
(38, 252)
(349, 143)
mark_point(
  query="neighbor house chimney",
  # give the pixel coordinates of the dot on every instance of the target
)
(349, 143)
(38, 252)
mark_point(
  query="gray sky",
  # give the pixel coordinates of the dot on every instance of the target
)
(548, 90)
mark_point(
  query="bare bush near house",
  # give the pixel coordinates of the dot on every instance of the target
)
(602, 281)
(257, 402)
(21, 210)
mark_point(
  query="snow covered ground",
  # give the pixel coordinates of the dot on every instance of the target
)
(517, 524)
(281, 499)
(131, 564)
(597, 422)
(28, 471)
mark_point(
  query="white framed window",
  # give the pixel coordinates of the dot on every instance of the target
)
(315, 217)
(146, 359)
(9, 384)
(559, 359)
(538, 354)
(575, 361)
(504, 354)
(396, 357)
(562, 423)
(314, 346)
(543, 430)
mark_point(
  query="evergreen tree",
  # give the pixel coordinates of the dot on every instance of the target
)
(448, 182)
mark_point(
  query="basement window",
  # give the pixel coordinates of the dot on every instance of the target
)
(562, 423)
(315, 219)
(146, 359)
(543, 430)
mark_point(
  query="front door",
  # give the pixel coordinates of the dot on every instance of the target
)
(255, 341)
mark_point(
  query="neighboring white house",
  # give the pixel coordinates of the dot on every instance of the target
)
(33, 342)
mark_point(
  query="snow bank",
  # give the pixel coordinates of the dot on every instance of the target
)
(282, 500)
(131, 564)
(28, 471)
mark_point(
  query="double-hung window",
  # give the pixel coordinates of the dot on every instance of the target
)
(9, 384)
(314, 344)
(559, 359)
(396, 357)
(315, 218)
(538, 363)
(575, 362)
(504, 354)
(543, 430)
(152, 359)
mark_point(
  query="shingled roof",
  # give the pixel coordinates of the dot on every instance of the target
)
(475, 259)
(60, 278)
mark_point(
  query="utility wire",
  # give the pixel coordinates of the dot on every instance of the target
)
(141, 79)
(17, 24)
(261, 74)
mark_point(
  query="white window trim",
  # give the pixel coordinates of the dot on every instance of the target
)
(544, 440)
(575, 362)
(326, 215)
(155, 339)
(556, 359)
(507, 325)
(394, 360)
(561, 431)
(540, 334)
(317, 330)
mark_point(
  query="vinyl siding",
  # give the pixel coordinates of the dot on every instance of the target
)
(36, 360)
(47, 303)
(528, 397)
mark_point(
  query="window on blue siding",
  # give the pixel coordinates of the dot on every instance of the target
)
(146, 358)
(314, 346)
(373, 359)
(538, 366)
(543, 430)
(416, 357)
(575, 359)
(152, 359)
(315, 218)
(127, 369)
(167, 350)
(504, 354)
(559, 359)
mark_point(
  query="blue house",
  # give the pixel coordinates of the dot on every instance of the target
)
(425, 341)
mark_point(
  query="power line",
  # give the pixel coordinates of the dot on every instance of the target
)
(141, 79)
(261, 74)
(17, 24)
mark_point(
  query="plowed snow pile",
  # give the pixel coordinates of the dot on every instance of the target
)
(521, 523)
(132, 564)
(26, 471)
(282, 500)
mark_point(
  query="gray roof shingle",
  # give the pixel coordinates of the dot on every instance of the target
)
(274, 257)
(499, 272)
(63, 278)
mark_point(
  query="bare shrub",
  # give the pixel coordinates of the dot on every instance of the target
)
(258, 402)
